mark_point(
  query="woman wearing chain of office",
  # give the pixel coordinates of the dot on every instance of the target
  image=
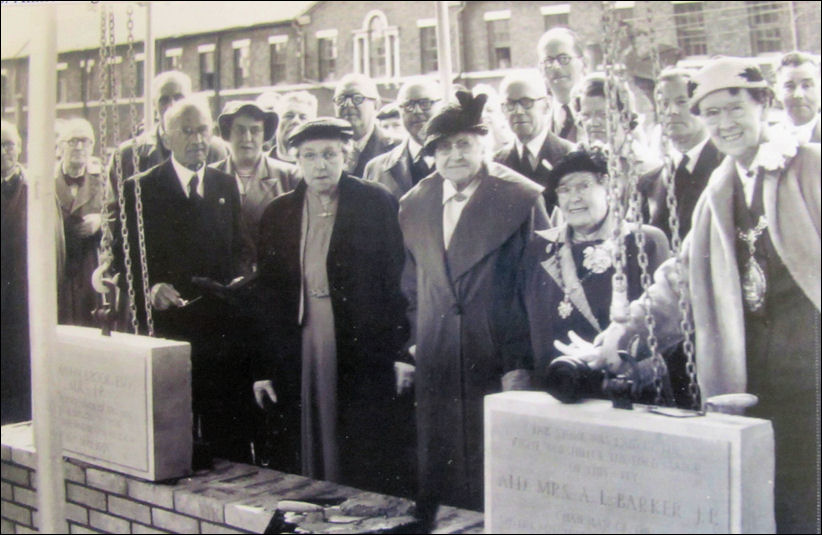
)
(752, 261)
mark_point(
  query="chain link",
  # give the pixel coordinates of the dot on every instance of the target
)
(138, 194)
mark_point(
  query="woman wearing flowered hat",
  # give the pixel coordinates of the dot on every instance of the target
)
(752, 260)
(567, 273)
(465, 228)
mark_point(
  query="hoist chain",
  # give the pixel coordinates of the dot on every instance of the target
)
(138, 194)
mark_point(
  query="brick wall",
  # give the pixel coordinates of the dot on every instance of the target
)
(231, 498)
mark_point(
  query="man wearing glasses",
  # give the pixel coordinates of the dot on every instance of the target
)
(79, 191)
(405, 165)
(356, 100)
(562, 66)
(535, 149)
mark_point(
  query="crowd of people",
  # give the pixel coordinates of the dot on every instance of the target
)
(351, 292)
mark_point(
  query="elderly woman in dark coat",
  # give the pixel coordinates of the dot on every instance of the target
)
(333, 315)
(567, 273)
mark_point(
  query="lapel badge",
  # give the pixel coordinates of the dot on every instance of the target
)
(222, 200)
(546, 164)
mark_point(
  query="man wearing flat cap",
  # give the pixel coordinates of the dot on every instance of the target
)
(752, 266)
(330, 260)
(245, 125)
(357, 100)
(465, 228)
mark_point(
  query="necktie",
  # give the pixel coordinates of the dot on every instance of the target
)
(419, 169)
(193, 194)
(682, 169)
(568, 123)
(527, 161)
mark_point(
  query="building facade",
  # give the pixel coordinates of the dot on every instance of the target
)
(390, 41)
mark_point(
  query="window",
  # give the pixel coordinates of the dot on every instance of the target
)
(4, 92)
(89, 82)
(208, 66)
(428, 49)
(499, 39)
(376, 47)
(62, 82)
(172, 59)
(277, 61)
(327, 51)
(242, 62)
(139, 75)
(690, 28)
(766, 33)
(624, 11)
(555, 15)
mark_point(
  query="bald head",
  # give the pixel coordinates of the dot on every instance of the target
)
(561, 62)
(76, 143)
(525, 104)
(356, 100)
(188, 130)
(417, 100)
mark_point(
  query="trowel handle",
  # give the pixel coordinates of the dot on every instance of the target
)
(731, 403)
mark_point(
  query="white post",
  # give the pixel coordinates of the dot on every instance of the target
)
(792, 16)
(444, 48)
(148, 74)
(42, 271)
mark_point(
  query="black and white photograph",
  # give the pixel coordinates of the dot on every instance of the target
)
(411, 267)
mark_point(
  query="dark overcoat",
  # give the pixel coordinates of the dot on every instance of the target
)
(552, 150)
(392, 169)
(364, 264)
(378, 143)
(458, 302)
(76, 298)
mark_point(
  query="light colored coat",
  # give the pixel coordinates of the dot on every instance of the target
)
(792, 207)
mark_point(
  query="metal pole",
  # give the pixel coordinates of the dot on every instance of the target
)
(42, 271)
(148, 74)
(444, 48)
(792, 16)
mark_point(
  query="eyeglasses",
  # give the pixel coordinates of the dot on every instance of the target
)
(75, 141)
(356, 99)
(561, 59)
(734, 111)
(424, 104)
(525, 102)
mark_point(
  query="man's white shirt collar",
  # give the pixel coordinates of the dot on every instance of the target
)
(693, 154)
(534, 146)
(362, 142)
(414, 149)
(804, 132)
(184, 175)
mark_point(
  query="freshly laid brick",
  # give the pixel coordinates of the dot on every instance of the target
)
(108, 481)
(5, 489)
(107, 523)
(174, 522)
(16, 474)
(74, 472)
(85, 496)
(208, 527)
(129, 509)
(16, 513)
(74, 528)
(24, 457)
(139, 528)
(156, 494)
(77, 513)
(25, 496)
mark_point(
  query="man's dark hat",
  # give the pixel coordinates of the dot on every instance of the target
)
(233, 108)
(389, 111)
(455, 118)
(321, 128)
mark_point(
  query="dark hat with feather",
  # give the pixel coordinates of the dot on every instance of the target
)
(465, 115)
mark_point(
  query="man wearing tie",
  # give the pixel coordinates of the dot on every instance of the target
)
(356, 100)
(191, 216)
(562, 66)
(693, 154)
(403, 166)
(535, 148)
(797, 87)
(79, 189)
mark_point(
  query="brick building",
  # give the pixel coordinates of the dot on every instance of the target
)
(246, 49)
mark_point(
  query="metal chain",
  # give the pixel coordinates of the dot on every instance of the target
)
(106, 241)
(683, 292)
(138, 194)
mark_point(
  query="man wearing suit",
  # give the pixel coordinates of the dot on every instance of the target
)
(260, 179)
(562, 65)
(692, 152)
(191, 216)
(797, 87)
(166, 89)
(403, 166)
(465, 228)
(535, 148)
(79, 187)
(356, 100)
